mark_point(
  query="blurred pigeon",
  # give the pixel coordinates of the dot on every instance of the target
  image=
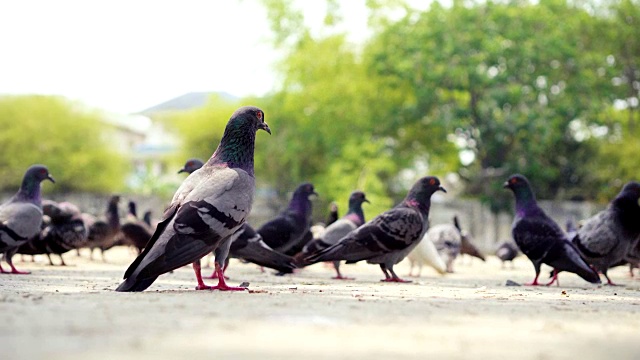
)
(135, 231)
(541, 239)
(289, 231)
(426, 254)
(333, 214)
(390, 236)
(147, 219)
(336, 231)
(191, 165)
(507, 251)
(607, 237)
(571, 228)
(210, 206)
(103, 233)
(21, 216)
(63, 231)
(448, 240)
(466, 245)
(248, 245)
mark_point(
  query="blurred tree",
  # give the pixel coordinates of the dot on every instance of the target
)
(69, 140)
(331, 121)
(507, 81)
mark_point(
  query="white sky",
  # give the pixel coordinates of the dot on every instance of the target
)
(125, 56)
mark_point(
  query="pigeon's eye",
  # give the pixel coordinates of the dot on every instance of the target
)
(259, 115)
(43, 172)
(514, 181)
(432, 182)
(190, 163)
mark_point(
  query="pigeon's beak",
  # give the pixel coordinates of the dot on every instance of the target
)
(442, 189)
(265, 127)
(50, 178)
(505, 185)
(182, 170)
(366, 200)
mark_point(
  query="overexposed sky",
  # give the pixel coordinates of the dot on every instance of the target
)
(125, 56)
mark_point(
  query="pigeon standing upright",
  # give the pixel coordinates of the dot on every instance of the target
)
(209, 207)
(607, 237)
(103, 233)
(390, 236)
(21, 216)
(245, 244)
(289, 231)
(541, 239)
(336, 231)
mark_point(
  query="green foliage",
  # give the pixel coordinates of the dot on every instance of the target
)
(69, 140)
(201, 128)
(505, 81)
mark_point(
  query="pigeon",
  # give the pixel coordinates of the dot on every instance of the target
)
(507, 251)
(103, 233)
(248, 245)
(541, 239)
(210, 206)
(191, 165)
(336, 231)
(147, 219)
(447, 240)
(390, 236)
(135, 231)
(21, 215)
(63, 231)
(245, 244)
(333, 214)
(426, 254)
(289, 231)
(466, 245)
(607, 237)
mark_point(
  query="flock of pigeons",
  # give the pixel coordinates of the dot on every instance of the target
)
(209, 210)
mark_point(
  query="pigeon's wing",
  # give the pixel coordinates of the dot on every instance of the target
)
(19, 221)
(597, 238)
(208, 215)
(277, 232)
(390, 231)
(536, 235)
(250, 247)
(565, 257)
(336, 231)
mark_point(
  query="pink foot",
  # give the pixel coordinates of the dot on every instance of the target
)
(16, 271)
(203, 287)
(225, 287)
(340, 277)
(397, 280)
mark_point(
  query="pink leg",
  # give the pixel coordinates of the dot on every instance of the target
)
(393, 277)
(13, 268)
(554, 279)
(535, 281)
(222, 285)
(197, 269)
(339, 275)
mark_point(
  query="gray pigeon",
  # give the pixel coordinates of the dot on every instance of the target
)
(336, 231)
(447, 240)
(390, 236)
(21, 216)
(507, 251)
(103, 233)
(541, 239)
(607, 237)
(209, 207)
(245, 244)
(63, 231)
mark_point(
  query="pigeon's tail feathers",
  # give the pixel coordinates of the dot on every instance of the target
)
(572, 262)
(132, 284)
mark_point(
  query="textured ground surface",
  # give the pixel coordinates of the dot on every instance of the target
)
(72, 313)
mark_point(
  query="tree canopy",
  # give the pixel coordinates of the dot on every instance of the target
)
(69, 140)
